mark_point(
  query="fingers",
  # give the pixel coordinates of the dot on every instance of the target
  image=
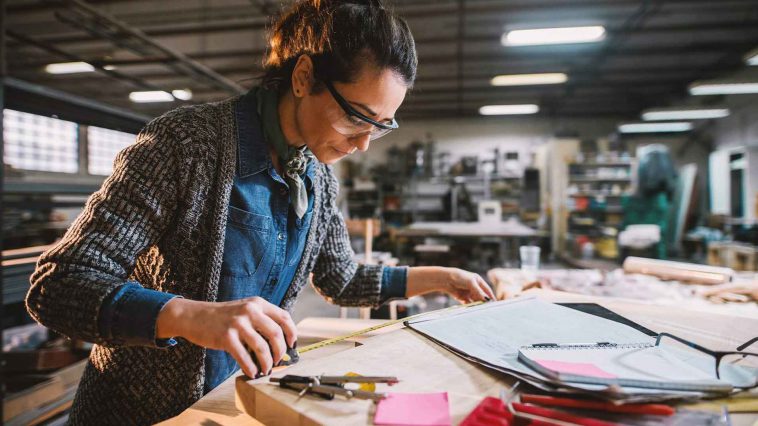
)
(259, 347)
(270, 331)
(475, 291)
(486, 288)
(239, 353)
(284, 320)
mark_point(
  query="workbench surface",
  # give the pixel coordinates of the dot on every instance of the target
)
(424, 366)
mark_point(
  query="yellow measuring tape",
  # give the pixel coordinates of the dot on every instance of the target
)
(334, 340)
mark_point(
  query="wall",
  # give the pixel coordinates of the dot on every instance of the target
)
(741, 127)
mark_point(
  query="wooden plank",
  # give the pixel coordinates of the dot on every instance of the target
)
(29, 399)
(51, 394)
(421, 366)
(219, 407)
(46, 412)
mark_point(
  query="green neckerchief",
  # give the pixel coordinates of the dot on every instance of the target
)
(294, 160)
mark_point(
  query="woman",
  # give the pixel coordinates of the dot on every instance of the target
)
(184, 265)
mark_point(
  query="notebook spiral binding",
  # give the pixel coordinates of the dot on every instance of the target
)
(553, 347)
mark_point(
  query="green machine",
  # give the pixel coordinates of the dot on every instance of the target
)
(655, 188)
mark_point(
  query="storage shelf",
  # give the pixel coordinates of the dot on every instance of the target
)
(446, 179)
(597, 194)
(612, 210)
(598, 179)
(594, 164)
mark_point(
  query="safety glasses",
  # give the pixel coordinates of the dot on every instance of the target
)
(352, 123)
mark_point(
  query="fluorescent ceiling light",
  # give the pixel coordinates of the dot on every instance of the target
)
(69, 68)
(752, 57)
(509, 109)
(183, 94)
(684, 114)
(727, 88)
(674, 126)
(529, 79)
(151, 96)
(109, 67)
(563, 35)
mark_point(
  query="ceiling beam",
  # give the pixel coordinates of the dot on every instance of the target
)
(643, 74)
(689, 49)
(259, 24)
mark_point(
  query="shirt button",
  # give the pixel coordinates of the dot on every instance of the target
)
(274, 281)
(280, 236)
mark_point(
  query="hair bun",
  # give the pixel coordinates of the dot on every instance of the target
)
(339, 36)
(322, 4)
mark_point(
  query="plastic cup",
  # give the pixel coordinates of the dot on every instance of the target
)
(530, 258)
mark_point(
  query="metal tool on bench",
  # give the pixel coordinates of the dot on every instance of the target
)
(328, 386)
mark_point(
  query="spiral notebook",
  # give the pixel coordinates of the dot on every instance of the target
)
(642, 365)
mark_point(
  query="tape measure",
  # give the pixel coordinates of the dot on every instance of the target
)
(334, 340)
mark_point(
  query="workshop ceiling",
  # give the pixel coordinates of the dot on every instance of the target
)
(652, 51)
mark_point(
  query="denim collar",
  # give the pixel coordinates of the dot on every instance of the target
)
(252, 151)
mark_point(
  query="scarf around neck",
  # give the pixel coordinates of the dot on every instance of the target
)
(294, 160)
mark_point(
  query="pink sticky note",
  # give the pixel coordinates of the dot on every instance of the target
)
(417, 409)
(578, 368)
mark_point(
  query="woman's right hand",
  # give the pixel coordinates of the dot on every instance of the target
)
(231, 326)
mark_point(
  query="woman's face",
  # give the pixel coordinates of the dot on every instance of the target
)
(376, 94)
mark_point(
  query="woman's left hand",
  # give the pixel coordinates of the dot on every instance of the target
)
(467, 287)
(464, 286)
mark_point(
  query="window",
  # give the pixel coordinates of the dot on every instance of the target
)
(103, 146)
(36, 142)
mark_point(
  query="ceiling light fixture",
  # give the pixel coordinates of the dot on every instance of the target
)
(509, 109)
(752, 57)
(563, 35)
(151, 96)
(725, 88)
(529, 79)
(684, 113)
(69, 68)
(674, 126)
(183, 94)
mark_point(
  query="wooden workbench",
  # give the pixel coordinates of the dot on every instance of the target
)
(423, 366)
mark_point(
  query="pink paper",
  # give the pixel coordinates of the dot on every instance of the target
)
(417, 409)
(578, 368)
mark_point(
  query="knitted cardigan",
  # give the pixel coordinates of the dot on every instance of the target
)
(160, 220)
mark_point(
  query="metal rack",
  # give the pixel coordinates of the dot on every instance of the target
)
(422, 198)
(593, 198)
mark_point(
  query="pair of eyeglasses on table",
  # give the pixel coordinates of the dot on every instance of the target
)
(738, 367)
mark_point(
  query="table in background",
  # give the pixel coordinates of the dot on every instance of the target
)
(504, 232)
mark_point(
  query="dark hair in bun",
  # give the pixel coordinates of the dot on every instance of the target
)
(339, 36)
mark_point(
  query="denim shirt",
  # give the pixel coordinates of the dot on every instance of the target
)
(264, 237)
(263, 246)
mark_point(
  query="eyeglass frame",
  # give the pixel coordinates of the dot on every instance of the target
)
(716, 354)
(349, 110)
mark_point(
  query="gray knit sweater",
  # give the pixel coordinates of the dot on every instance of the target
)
(160, 219)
